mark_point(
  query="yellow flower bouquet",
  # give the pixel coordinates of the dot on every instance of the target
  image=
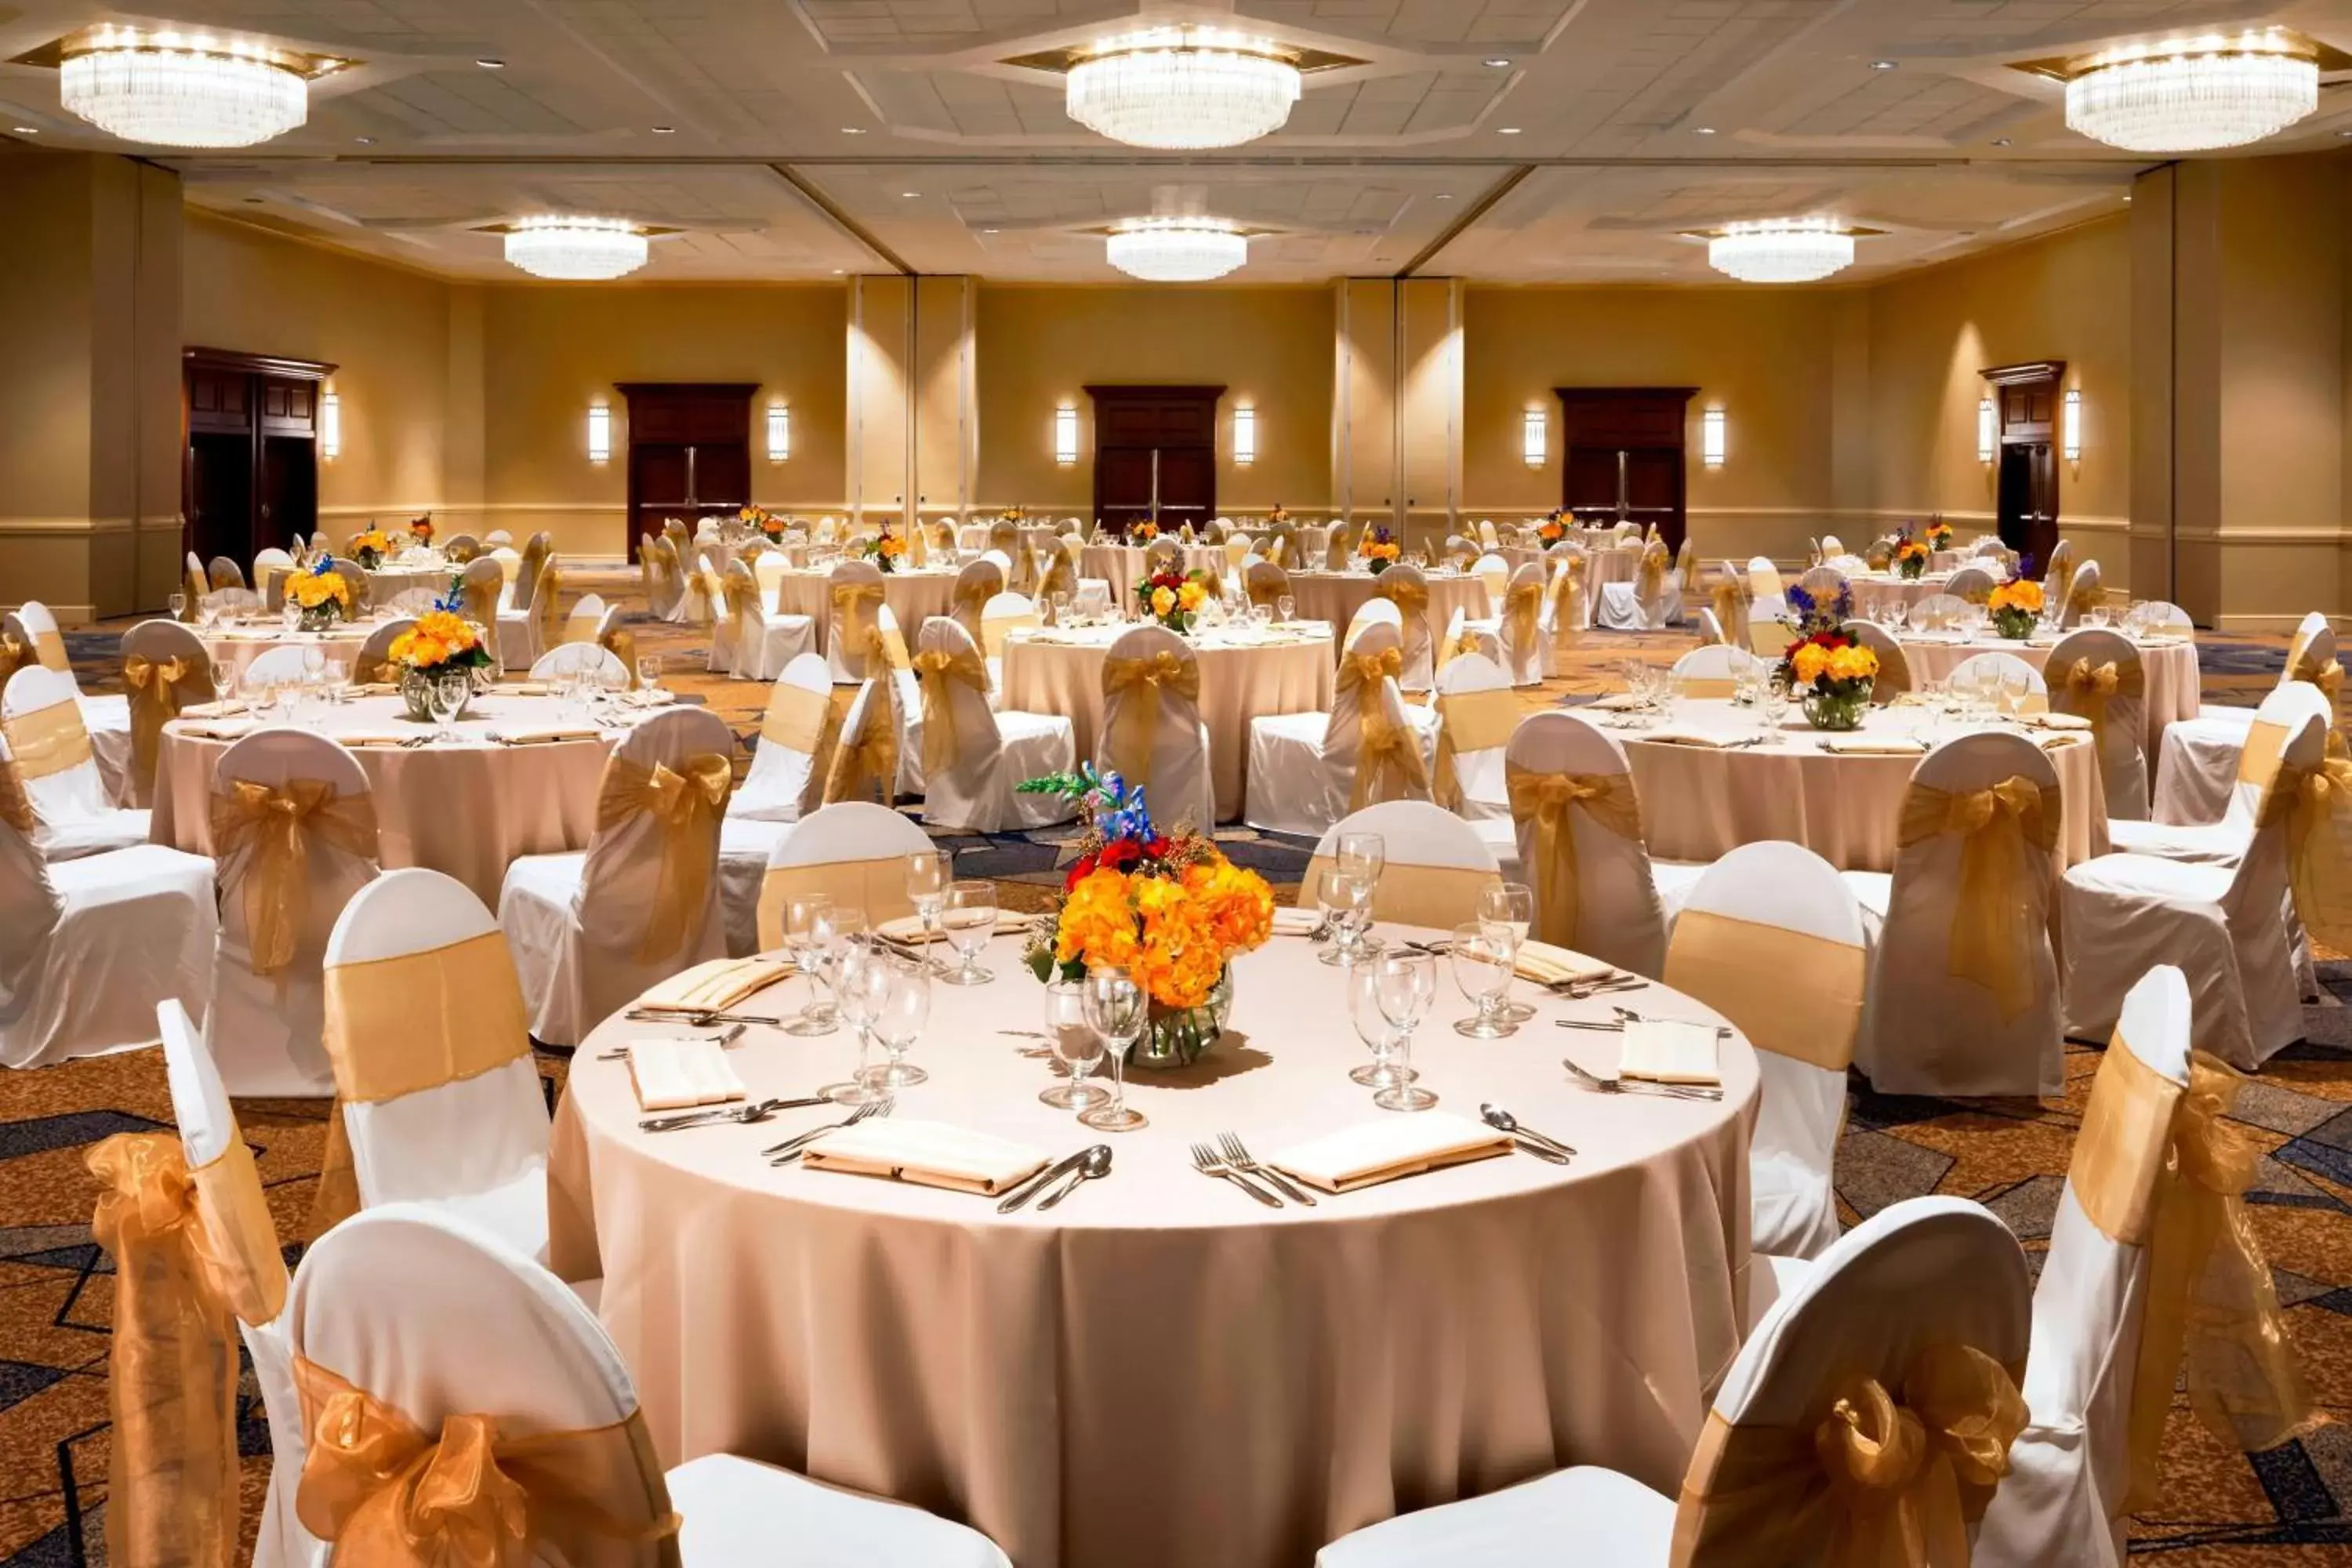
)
(321, 597)
(1911, 558)
(1142, 532)
(1173, 599)
(442, 642)
(1939, 536)
(886, 549)
(2015, 606)
(370, 548)
(1831, 675)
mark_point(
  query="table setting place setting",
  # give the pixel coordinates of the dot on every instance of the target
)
(1659, 708)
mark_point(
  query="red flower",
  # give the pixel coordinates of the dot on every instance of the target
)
(1157, 848)
(1081, 871)
(1122, 854)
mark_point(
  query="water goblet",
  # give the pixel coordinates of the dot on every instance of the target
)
(1405, 983)
(852, 964)
(178, 605)
(1117, 1009)
(1361, 854)
(1261, 618)
(1483, 958)
(1513, 905)
(929, 872)
(808, 932)
(290, 617)
(649, 666)
(1373, 1028)
(314, 661)
(447, 701)
(899, 991)
(1061, 603)
(1285, 609)
(1073, 1043)
(1346, 897)
(338, 679)
(968, 917)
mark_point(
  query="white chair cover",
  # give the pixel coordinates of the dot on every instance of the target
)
(1712, 669)
(1969, 584)
(43, 725)
(2221, 842)
(977, 582)
(1620, 916)
(852, 851)
(1435, 867)
(1302, 766)
(1523, 642)
(1177, 781)
(1768, 600)
(1476, 712)
(158, 643)
(1419, 638)
(578, 659)
(848, 663)
(992, 751)
(2097, 673)
(2198, 763)
(1894, 665)
(2082, 592)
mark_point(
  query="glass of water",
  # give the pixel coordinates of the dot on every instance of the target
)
(808, 933)
(1511, 905)
(1483, 954)
(1404, 983)
(1115, 1008)
(928, 874)
(968, 917)
(1074, 1044)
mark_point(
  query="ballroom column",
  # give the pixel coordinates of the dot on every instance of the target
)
(944, 389)
(1396, 403)
(1429, 405)
(880, 425)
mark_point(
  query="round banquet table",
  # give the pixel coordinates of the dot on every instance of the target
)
(2169, 666)
(1872, 595)
(232, 648)
(1161, 1371)
(1122, 566)
(394, 576)
(913, 594)
(1243, 675)
(1336, 596)
(468, 808)
(1699, 803)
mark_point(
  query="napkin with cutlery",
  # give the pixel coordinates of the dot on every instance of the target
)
(1669, 1050)
(909, 928)
(1377, 1151)
(221, 709)
(928, 1153)
(219, 729)
(542, 734)
(2053, 721)
(714, 986)
(676, 1075)
(1615, 702)
(1700, 738)
(385, 737)
(1296, 922)
(1548, 965)
(1874, 745)
(524, 689)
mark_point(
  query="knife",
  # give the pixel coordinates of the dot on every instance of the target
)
(1029, 1189)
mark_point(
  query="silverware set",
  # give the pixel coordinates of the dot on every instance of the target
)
(793, 1148)
(1018, 1194)
(726, 1115)
(1599, 1085)
(1543, 1146)
(1229, 1161)
(724, 1040)
(700, 1020)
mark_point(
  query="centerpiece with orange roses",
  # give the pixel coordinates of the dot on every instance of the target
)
(1377, 550)
(2015, 607)
(1174, 598)
(420, 529)
(318, 597)
(442, 644)
(1829, 671)
(886, 549)
(1553, 528)
(1166, 907)
(1940, 535)
(1911, 556)
(371, 548)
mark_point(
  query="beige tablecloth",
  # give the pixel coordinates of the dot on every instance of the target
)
(383, 582)
(1336, 596)
(1161, 1372)
(913, 597)
(1122, 566)
(1872, 595)
(1700, 804)
(467, 809)
(2170, 668)
(1061, 673)
(231, 649)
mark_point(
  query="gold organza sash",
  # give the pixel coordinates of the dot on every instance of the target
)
(1707, 686)
(700, 608)
(878, 886)
(2324, 673)
(2089, 688)
(1136, 691)
(15, 809)
(396, 1027)
(1522, 609)
(1545, 800)
(46, 740)
(275, 826)
(49, 648)
(1790, 992)
(1728, 603)
(476, 1496)
(1365, 670)
(1566, 595)
(742, 597)
(969, 600)
(937, 673)
(2316, 805)
(1470, 722)
(800, 720)
(621, 644)
(685, 802)
(854, 607)
(1884, 1477)
(1410, 597)
(1265, 587)
(2009, 833)
(868, 762)
(1651, 576)
(2258, 759)
(546, 607)
(13, 657)
(1389, 764)
(158, 691)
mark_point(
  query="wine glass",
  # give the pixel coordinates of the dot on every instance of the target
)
(1060, 602)
(1405, 983)
(929, 872)
(853, 961)
(1073, 1043)
(1115, 1008)
(314, 661)
(1361, 854)
(444, 700)
(178, 605)
(1483, 957)
(1373, 1028)
(968, 918)
(1344, 896)
(1285, 609)
(808, 932)
(900, 993)
(1510, 904)
(649, 668)
(337, 679)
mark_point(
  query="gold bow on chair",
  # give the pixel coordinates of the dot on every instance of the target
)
(480, 597)
(1649, 577)
(1877, 1480)
(1388, 765)
(742, 594)
(277, 823)
(854, 607)
(2324, 673)
(938, 671)
(1568, 604)
(1729, 606)
(621, 644)
(867, 764)
(1522, 608)
(158, 692)
(686, 802)
(14, 656)
(1410, 597)
(2317, 804)
(2000, 903)
(390, 1497)
(1141, 685)
(2089, 688)
(1543, 799)
(1366, 670)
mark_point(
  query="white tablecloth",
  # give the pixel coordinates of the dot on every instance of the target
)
(1336, 596)
(2169, 668)
(914, 596)
(1161, 1372)
(1122, 566)
(231, 649)
(394, 576)
(1872, 595)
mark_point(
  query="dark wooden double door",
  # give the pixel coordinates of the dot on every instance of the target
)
(249, 474)
(1155, 455)
(689, 452)
(2027, 401)
(1622, 459)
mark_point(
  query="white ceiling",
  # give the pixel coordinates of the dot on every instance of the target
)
(807, 137)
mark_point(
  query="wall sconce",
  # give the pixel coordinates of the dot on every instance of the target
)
(1531, 437)
(2070, 434)
(1712, 434)
(331, 426)
(1244, 436)
(599, 433)
(1066, 435)
(1986, 432)
(780, 433)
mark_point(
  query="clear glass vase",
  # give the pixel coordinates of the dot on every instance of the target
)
(1837, 710)
(1178, 1037)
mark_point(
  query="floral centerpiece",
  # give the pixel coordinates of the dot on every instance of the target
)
(2015, 607)
(1142, 532)
(1940, 535)
(321, 597)
(1017, 515)
(371, 549)
(1278, 515)
(442, 642)
(1165, 907)
(1553, 528)
(886, 549)
(420, 529)
(753, 516)
(1832, 673)
(1910, 558)
(1173, 598)
(1378, 549)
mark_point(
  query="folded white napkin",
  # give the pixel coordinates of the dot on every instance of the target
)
(671, 1074)
(909, 928)
(1548, 965)
(714, 986)
(525, 689)
(1376, 1151)
(219, 729)
(385, 737)
(1669, 1051)
(1296, 922)
(928, 1153)
(1672, 736)
(542, 734)
(1874, 745)
(1615, 702)
(221, 709)
(2054, 720)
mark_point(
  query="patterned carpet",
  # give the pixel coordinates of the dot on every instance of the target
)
(2222, 1510)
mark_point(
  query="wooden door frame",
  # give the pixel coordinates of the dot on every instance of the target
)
(1579, 406)
(1101, 393)
(2000, 378)
(253, 368)
(680, 412)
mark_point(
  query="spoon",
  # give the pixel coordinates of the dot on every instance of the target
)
(1096, 1163)
(1502, 1120)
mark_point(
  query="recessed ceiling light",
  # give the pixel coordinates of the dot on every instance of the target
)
(2127, 199)
(1443, 196)
(2346, 133)
(908, 196)
(988, 231)
(664, 130)
(1882, 65)
(1702, 129)
(365, 140)
(853, 130)
(1506, 131)
(26, 130)
(1497, 63)
(2001, 140)
(491, 65)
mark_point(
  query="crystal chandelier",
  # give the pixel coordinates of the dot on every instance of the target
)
(2193, 95)
(1780, 250)
(576, 248)
(182, 89)
(1177, 250)
(1184, 88)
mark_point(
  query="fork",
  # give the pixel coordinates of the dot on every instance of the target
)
(1204, 1159)
(754, 1110)
(1641, 1086)
(791, 1148)
(1241, 1160)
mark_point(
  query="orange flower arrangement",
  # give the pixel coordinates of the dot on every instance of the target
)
(1553, 528)
(1142, 532)
(441, 639)
(2015, 606)
(1910, 557)
(369, 547)
(323, 590)
(420, 529)
(886, 549)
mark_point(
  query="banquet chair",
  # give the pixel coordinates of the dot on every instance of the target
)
(461, 547)
(1003, 615)
(867, 756)
(1487, 538)
(1894, 677)
(2082, 594)
(165, 669)
(2227, 926)
(1477, 713)
(546, 621)
(2058, 575)
(668, 601)
(1969, 584)
(1303, 771)
(1964, 996)
(356, 578)
(1937, 611)
(2024, 688)
(1494, 572)
(1436, 869)
(1768, 598)
(1163, 555)
(2167, 618)
(1826, 585)
(1879, 554)
(1313, 547)
(2095, 674)
(1648, 603)
(479, 587)
(784, 785)
(1769, 637)
(1710, 630)
(239, 1237)
(1927, 1295)
(1238, 550)
(29, 635)
(1405, 586)
(427, 1322)
(221, 571)
(1059, 574)
(579, 658)
(1712, 670)
(194, 585)
(2199, 757)
(766, 641)
(498, 539)
(89, 945)
(293, 839)
(1770, 937)
(1578, 816)
(852, 852)
(1686, 571)
(852, 632)
(517, 641)
(437, 1095)
(591, 929)
(70, 809)
(1463, 636)
(282, 666)
(1561, 623)
(585, 623)
(976, 583)
(973, 756)
(1517, 624)
(1265, 581)
(1830, 546)
(1152, 734)
(1093, 599)
(270, 568)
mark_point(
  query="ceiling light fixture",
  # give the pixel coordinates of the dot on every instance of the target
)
(576, 249)
(2193, 95)
(1497, 63)
(26, 129)
(1702, 129)
(1184, 88)
(1883, 64)
(491, 65)
(185, 89)
(1177, 250)
(1506, 131)
(853, 130)
(664, 130)
(1780, 250)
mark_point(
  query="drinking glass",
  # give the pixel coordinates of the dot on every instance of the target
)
(314, 661)
(1074, 1044)
(1285, 609)
(1115, 1008)
(808, 932)
(853, 963)
(1513, 905)
(1372, 1028)
(1772, 707)
(1348, 895)
(929, 872)
(291, 616)
(207, 614)
(968, 918)
(1483, 956)
(899, 991)
(178, 605)
(1361, 854)
(1405, 983)
(444, 700)
(338, 681)
(1060, 602)
(1261, 616)
(649, 666)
